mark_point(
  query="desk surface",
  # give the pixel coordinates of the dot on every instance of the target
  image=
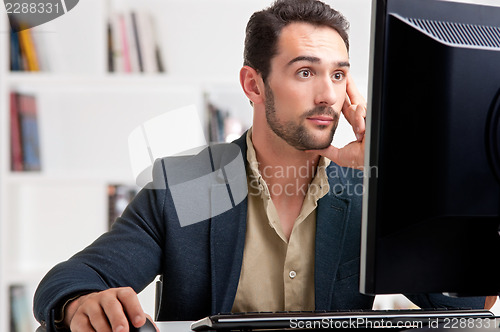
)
(174, 326)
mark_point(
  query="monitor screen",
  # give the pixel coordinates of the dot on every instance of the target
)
(431, 209)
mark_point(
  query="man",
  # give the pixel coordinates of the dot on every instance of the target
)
(292, 244)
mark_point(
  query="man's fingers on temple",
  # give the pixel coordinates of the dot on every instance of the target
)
(352, 91)
(354, 111)
(355, 115)
(346, 105)
(360, 126)
(361, 110)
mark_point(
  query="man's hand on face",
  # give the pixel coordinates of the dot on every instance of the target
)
(105, 311)
(354, 110)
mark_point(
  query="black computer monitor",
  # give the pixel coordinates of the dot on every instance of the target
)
(431, 211)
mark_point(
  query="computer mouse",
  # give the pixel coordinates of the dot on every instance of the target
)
(147, 327)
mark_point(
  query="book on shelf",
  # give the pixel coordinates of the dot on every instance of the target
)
(117, 50)
(36, 50)
(135, 37)
(132, 43)
(119, 196)
(131, 56)
(111, 67)
(216, 123)
(16, 59)
(16, 153)
(222, 125)
(24, 133)
(146, 42)
(124, 40)
(23, 51)
(20, 309)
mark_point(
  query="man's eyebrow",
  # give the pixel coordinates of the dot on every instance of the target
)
(343, 64)
(314, 59)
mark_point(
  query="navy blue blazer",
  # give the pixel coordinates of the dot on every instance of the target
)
(200, 264)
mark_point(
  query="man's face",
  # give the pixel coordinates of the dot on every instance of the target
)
(306, 87)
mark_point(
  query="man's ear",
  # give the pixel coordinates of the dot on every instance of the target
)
(252, 84)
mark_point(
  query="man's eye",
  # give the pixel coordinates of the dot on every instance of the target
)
(305, 73)
(338, 76)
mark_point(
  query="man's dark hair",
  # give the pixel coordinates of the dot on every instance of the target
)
(264, 28)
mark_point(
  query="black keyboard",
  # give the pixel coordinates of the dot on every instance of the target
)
(403, 319)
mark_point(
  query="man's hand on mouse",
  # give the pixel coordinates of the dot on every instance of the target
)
(354, 110)
(105, 311)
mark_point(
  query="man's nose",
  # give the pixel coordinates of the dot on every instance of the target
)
(325, 92)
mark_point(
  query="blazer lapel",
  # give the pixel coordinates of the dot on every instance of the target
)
(331, 224)
(227, 241)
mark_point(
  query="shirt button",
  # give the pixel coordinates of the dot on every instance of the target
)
(292, 274)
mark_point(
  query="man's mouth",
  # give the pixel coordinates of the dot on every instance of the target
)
(322, 120)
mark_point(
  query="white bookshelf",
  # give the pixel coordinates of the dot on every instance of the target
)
(85, 116)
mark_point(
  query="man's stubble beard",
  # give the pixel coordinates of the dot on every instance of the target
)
(295, 133)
